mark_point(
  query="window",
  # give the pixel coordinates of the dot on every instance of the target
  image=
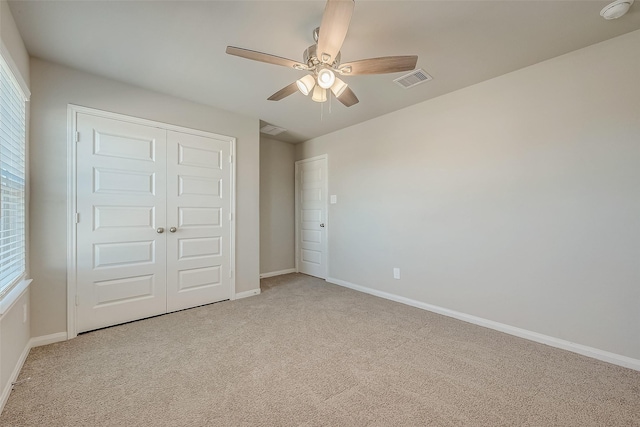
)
(12, 180)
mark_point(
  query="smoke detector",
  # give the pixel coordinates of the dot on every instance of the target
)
(616, 9)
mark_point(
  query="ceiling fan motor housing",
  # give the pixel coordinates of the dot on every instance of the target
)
(311, 58)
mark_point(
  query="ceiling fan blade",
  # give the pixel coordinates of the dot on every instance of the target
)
(284, 92)
(348, 98)
(265, 57)
(386, 64)
(333, 29)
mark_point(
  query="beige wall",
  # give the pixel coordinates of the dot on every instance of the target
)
(277, 216)
(53, 88)
(12, 41)
(515, 200)
(14, 332)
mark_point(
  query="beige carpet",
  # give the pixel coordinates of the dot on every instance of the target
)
(307, 353)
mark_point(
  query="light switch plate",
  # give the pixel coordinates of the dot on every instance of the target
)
(333, 199)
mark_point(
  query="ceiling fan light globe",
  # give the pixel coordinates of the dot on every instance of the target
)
(306, 84)
(326, 78)
(338, 87)
(302, 88)
(319, 94)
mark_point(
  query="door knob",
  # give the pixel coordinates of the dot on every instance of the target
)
(322, 225)
(160, 230)
(173, 229)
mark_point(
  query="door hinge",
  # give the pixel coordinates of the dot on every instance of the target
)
(230, 216)
(231, 158)
(77, 300)
(77, 219)
(77, 136)
(230, 274)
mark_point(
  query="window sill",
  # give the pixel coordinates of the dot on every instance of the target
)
(14, 294)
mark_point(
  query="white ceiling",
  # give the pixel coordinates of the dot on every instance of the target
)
(178, 47)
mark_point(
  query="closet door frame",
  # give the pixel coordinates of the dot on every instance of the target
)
(72, 208)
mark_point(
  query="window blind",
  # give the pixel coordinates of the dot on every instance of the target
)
(12, 180)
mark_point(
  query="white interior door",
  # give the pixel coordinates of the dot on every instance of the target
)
(121, 203)
(198, 243)
(311, 216)
(153, 226)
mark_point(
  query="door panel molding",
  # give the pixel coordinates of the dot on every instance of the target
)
(110, 146)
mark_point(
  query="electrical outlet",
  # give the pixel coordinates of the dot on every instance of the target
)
(24, 313)
(396, 273)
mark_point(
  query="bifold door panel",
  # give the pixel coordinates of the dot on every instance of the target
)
(153, 224)
(198, 255)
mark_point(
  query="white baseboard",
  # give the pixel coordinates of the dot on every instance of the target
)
(47, 339)
(584, 350)
(14, 376)
(246, 294)
(277, 273)
(33, 342)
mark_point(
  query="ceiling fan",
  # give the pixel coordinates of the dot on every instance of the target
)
(322, 59)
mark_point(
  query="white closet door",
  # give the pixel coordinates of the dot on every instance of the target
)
(121, 202)
(199, 200)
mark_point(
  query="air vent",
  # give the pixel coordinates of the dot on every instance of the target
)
(272, 130)
(413, 78)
